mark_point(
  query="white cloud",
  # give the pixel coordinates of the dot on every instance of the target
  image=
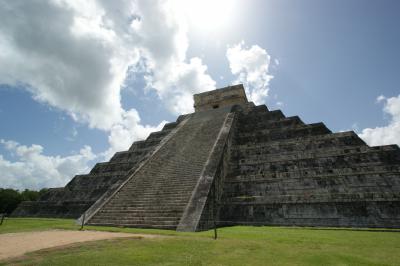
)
(75, 55)
(380, 98)
(163, 32)
(67, 55)
(32, 169)
(122, 135)
(389, 134)
(251, 65)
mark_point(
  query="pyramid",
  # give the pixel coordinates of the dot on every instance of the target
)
(233, 163)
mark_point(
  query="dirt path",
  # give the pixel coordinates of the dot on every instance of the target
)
(17, 244)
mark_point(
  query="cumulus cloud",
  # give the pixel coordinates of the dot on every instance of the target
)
(251, 66)
(67, 55)
(163, 31)
(123, 134)
(389, 134)
(32, 169)
(75, 56)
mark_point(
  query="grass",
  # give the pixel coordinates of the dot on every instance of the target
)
(239, 245)
(15, 225)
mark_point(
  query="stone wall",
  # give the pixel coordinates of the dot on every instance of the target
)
(228, 96)
(286, 172)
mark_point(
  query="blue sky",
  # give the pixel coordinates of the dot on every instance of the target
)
(81, 81)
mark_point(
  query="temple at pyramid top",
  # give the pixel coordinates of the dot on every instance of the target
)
(231, 95)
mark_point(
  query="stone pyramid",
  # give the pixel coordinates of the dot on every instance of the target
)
(233, 163)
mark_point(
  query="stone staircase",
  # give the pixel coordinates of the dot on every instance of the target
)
(84, 190)
(157, 194)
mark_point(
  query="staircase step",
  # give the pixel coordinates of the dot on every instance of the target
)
(166, 182)
(147, 198)
(130, 220)
(139, 213)
(151, 207)
(137, 219)
(153, 226)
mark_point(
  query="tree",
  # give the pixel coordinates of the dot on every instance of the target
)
(11, 198)
(30, 195)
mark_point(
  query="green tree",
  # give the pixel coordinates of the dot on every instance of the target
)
(30, 195)
(9, 200)
(43, 191)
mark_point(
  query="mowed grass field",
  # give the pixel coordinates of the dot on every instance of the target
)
(239, 245)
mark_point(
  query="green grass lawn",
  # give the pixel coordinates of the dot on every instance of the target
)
(239, 245)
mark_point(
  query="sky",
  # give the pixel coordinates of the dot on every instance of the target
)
(81, 80)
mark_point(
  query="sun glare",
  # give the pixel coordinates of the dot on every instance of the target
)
(209, 15)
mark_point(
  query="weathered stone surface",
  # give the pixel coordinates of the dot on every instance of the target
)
(158, 193)
(229, 96)
(232, 163)
(84, 190)
(287, 173)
